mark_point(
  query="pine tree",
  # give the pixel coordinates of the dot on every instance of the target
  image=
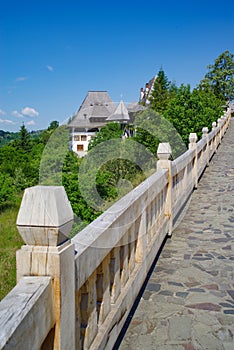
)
(24, 139)
(160, 95)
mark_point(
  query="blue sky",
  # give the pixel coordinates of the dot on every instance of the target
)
(52, 53)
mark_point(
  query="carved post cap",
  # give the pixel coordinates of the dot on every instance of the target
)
(45, 216)
(204, 131)
(219, 121)
(214, 125)
(193, 137)
(164, 151)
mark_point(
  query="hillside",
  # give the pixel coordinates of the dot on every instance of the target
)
(7, 136)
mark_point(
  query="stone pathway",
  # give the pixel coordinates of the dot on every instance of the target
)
(188, 303)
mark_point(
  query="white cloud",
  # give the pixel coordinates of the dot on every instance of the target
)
(17, 114)
(7, 121)
(2, 112)
(29, 112)
(21, 78)
(31, 122)
(50, 68)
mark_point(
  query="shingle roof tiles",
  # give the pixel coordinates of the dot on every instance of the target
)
(97, 104)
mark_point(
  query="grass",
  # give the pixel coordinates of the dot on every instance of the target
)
(10, 242)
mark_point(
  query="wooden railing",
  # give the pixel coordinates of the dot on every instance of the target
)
(77, 294)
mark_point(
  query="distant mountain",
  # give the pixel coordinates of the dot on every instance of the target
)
(7, 136)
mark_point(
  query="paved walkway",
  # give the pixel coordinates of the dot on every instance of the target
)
(188, 303)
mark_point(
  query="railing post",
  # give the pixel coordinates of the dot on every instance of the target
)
(87, 311)
(222, 126)
(103, 290)
(44, 221)
(219, 121)
(214, 143)
(115, 274)
(164, 153)
(141, 239)
(193, 145)
(205, 136)
(225, 124)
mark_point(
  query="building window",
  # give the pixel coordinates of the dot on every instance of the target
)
(80, 147)
(83, 137)
(76, 138)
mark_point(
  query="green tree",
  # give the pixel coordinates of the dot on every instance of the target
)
(84, 214)
(112, 166)
(108, 132)
(161, 92)
(24, 139)
(53, 156)
(7, 190)
(20, 162)
(190, 111)
(53, 125)
(20, 165)
(153, 128)
(220, 77)
(46, 134)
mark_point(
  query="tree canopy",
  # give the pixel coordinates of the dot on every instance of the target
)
(162, 92)
(190, 111)
(220, 77)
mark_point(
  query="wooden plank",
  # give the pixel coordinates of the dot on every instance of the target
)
(26, 314)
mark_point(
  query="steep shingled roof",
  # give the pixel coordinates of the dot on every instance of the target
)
(96, 105)
(120, 114)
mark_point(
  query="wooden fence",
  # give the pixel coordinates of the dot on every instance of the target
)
(76, 294)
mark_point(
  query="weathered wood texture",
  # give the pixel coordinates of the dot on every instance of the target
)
(27, 314)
